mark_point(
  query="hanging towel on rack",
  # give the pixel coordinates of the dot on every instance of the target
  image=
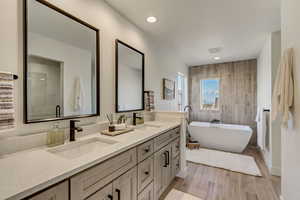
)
(78, 95)
(283, 94)
(7, 111)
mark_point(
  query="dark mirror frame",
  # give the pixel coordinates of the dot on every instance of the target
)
(25, 40)
(117, 42)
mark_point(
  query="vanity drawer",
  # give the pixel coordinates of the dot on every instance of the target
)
(165, 139)
(177, 132)
(58, 192)
(91, 180)
(175, 166)
(175, 148)
(145, 150)
(147, 193)
(145, 173)
(104, 193)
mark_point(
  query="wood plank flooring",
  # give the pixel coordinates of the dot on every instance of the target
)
(209, 183)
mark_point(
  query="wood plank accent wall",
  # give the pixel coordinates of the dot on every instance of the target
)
(238, 89)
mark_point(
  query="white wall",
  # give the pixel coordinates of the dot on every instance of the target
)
(166, 66)
(291, 136)
(268, 62)
(264, 91)
(275, 137)
(160, 62)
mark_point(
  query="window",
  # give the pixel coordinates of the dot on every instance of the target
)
(209, 94)
(181, 91)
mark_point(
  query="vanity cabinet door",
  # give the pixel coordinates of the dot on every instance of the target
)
(125, 187)
(147, 193)
(162, 170)
(176, 148)
(103, 194)
(58, 192)
(145, 173)
(175, 166)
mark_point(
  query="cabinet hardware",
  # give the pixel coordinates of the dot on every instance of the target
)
(119, 194)
(166, 159)
(147, 150)
(147, 173)
(110, 197)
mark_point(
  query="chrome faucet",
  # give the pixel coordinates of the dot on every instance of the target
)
(73, 129)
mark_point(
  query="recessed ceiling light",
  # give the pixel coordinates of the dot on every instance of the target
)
(151, 19)
(217, 58)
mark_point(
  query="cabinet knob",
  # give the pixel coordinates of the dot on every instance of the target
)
(147, 173)
(147, 150)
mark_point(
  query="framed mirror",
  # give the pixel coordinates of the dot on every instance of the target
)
(61, 65)
(130, 64)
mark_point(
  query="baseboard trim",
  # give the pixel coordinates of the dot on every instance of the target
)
(276, 171)
(182, 174)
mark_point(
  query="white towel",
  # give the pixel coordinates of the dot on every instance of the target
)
(283, 94)
(78, 95)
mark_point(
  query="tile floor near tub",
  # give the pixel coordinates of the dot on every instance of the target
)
(209, 183)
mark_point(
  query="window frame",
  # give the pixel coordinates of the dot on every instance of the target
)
(201, 96)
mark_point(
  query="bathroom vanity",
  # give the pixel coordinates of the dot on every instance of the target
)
(138, 165)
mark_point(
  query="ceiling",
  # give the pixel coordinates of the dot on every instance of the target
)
(191, 27)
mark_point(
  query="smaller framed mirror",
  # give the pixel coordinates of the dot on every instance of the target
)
(130, 64)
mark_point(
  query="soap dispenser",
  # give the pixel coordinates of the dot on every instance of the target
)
(55, 136)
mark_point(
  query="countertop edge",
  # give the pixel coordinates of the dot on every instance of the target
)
(60, 178)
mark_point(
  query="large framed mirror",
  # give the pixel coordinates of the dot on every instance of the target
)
(61, 65)
(130, 69)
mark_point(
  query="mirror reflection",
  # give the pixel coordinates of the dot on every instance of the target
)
(130, 78)
(62, 65)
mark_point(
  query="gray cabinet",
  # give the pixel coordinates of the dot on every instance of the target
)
(103, 194)
(147, 193)
(125, 187)
(145, 150)
(90, 181)
(58, 192)
(141, 173)
(162, 170)
(145, 173)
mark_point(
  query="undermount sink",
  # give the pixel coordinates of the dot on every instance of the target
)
(77, 149)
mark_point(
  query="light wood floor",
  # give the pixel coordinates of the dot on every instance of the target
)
(210, 183)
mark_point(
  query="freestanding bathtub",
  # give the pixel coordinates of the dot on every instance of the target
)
(225, 137)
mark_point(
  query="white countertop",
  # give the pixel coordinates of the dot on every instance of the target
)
(25, 173)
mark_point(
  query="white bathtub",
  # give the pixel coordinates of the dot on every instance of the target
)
(225, 137)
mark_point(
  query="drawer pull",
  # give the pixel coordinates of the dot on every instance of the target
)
(166, 159)
(147, 150)
(110, 197)
(147, 173)
(119, 194)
